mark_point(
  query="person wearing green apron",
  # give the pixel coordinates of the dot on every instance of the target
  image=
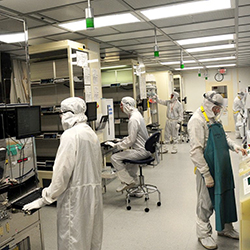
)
(209, 151)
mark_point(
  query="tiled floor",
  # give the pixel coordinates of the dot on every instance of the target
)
(168, 227)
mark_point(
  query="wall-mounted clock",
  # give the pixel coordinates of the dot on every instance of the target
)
(219, 77)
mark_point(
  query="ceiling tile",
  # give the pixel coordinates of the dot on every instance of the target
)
(126, 36)
(39, 41)
(27, 6)
(203, 33)
(149, 3)
(9, 25)
(44, 31)
(244, 10)
(243, 2)
(200, 26)
(244, 34)
(64, 13)
(133, 27)
(243, 28)
(66, 36)
(98, 32)
(244, 20)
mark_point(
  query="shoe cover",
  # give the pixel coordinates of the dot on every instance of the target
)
(208, 242)
(229, 232)
(124, 176)
(164, 149)
(125, 186)
(121, 187)
(174, 149)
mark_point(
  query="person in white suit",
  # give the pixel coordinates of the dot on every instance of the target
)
(238, 109)
(76, 182)
(133, 145)
(174, 116)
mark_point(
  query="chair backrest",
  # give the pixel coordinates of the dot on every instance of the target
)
(152, 141)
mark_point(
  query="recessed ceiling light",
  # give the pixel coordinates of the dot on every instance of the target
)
(114, 67)
(189, 68)
(177, 62)
(186, 9)
(101, 21)
(218, 59)
(206, 39)
(208, 48)
(221, 65)
(13, 38)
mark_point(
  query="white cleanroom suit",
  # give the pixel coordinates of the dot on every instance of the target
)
(199, 132)
(133, 145)
(174, 116)
(76, 182)
(238, 109)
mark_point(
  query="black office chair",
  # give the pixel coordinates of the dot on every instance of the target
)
(152, 146)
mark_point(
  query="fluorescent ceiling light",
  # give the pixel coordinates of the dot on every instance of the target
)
(207, 48)
(206, 39)
(177, 62)
(13, 38)
(218, 59)
(221, 65)
(186, 9)
(114, 67)
(189, 68)
(101, 21)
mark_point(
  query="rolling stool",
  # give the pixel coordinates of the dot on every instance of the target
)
(146, 189)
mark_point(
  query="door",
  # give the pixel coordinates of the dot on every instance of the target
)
(226, 90)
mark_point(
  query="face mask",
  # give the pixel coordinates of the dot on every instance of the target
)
(67, 120)
(218, 115)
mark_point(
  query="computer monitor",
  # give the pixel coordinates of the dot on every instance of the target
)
(28, 121)
(144, 104)
(91, 111)
(2, 164)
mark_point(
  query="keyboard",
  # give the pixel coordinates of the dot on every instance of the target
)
(18, 204)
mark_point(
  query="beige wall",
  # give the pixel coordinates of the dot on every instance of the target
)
(194, 87)
(235, 79)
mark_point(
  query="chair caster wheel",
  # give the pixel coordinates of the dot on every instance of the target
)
(128, 201)
(146, 209)
(158, 203)
(146, 198)
(128, 207)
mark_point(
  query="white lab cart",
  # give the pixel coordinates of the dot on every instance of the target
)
(244, 183)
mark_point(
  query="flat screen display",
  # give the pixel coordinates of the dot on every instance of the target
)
(144, 104)
(28, 121)
(91, 111)
(2, 163)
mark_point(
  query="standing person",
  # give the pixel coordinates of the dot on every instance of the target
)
(238, 108)
(76, 182)
(133, 145)
(209, 151)
(174, 115)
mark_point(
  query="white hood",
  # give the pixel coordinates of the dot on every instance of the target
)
(211, 99)
(73, 109)
(175, 96)
(128, 105)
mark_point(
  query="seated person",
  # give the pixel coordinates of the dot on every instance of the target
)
(133, 145)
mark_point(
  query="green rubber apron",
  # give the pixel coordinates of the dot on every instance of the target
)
(217, 157)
